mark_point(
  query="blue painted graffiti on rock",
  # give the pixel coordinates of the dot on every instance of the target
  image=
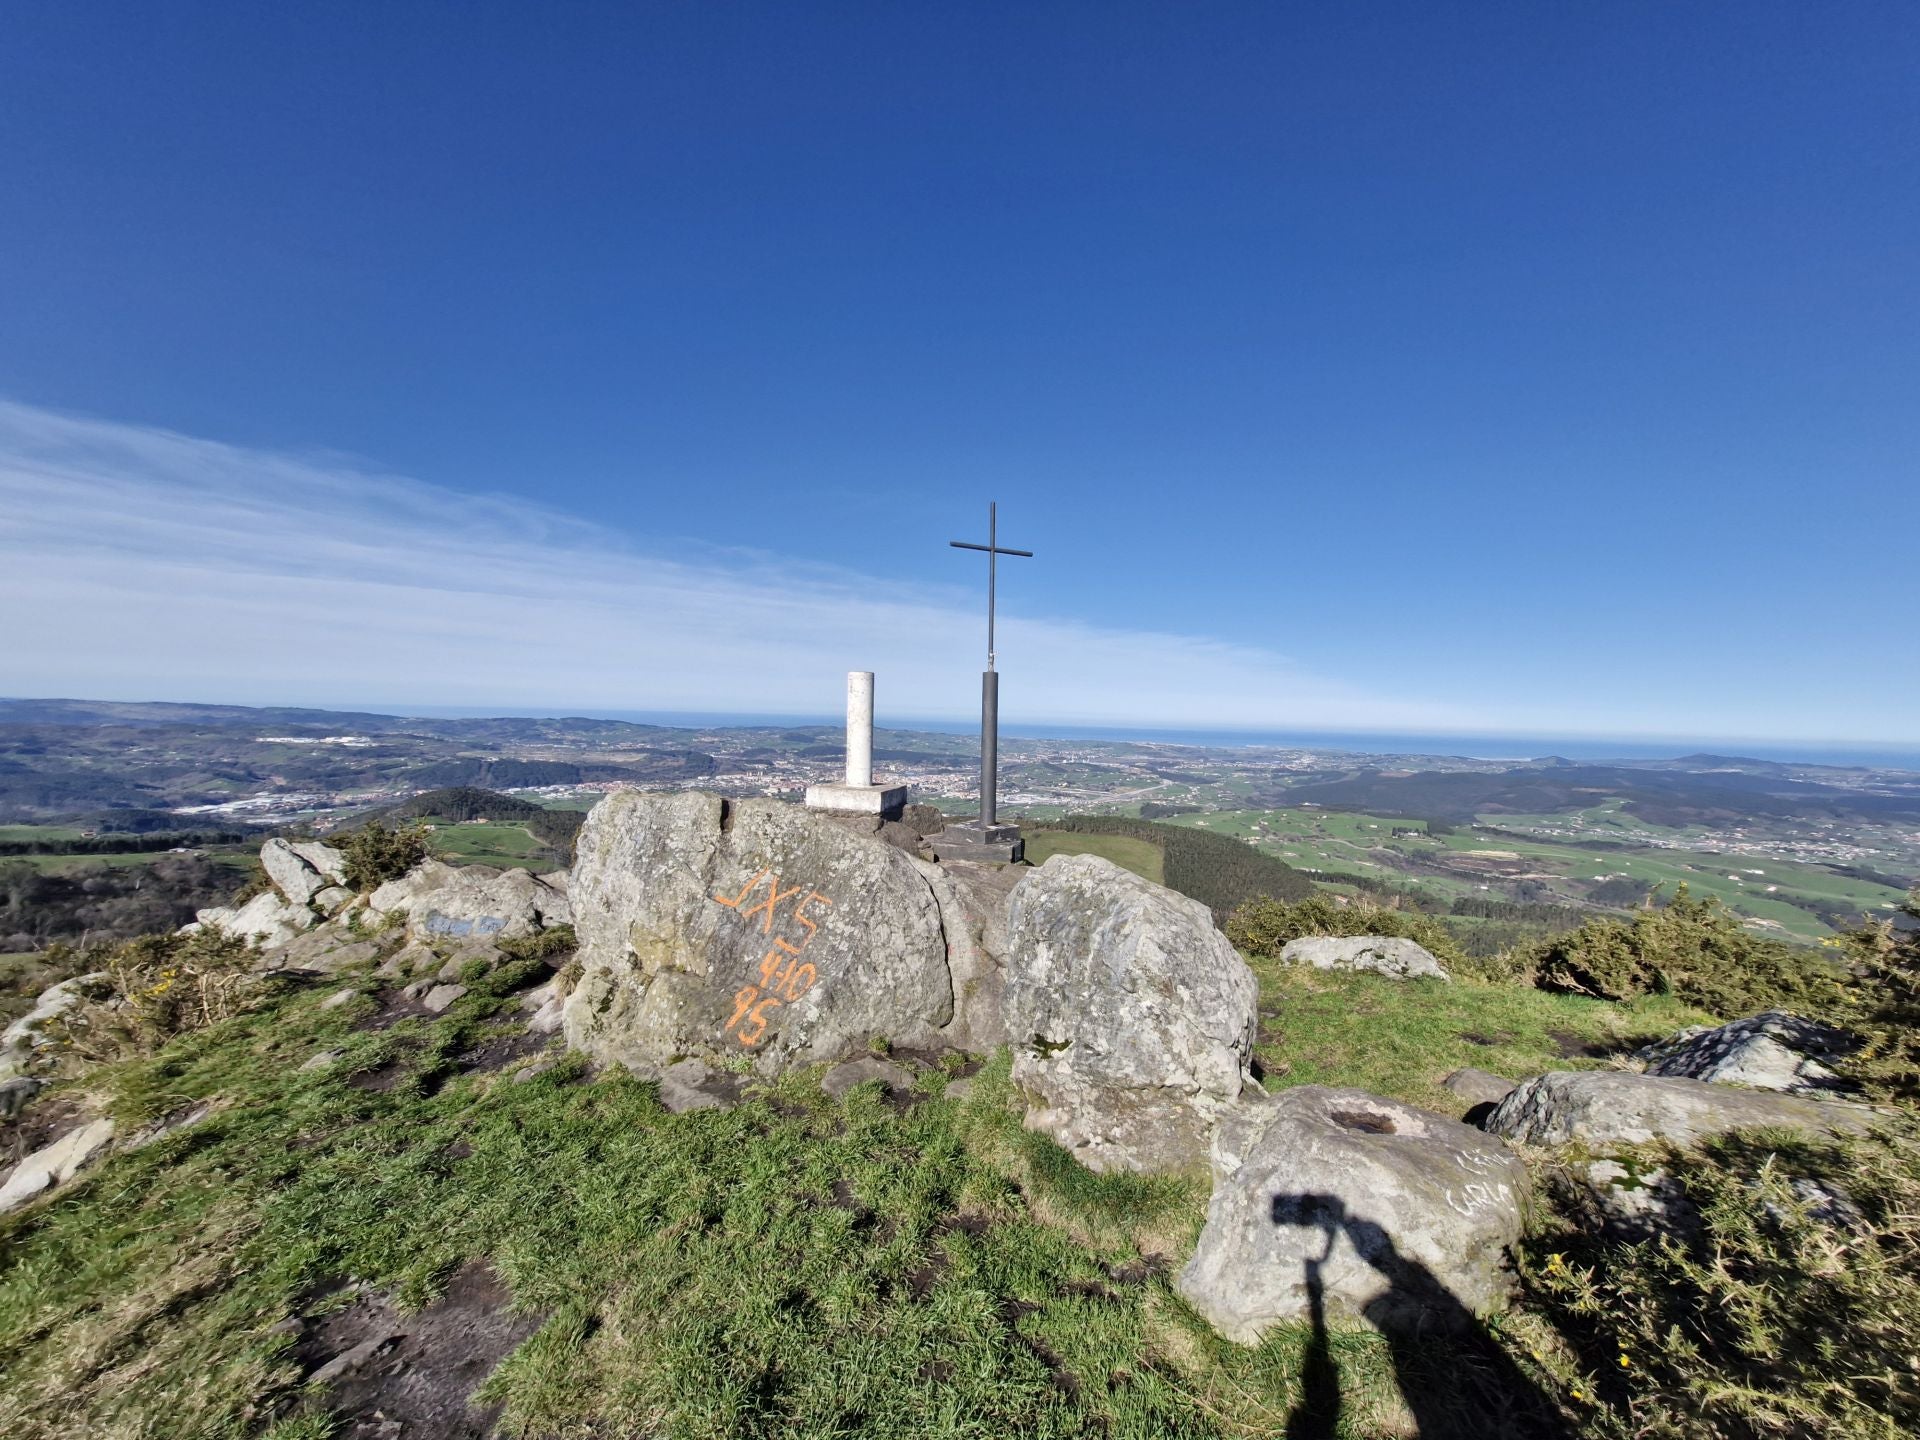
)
(438, 924)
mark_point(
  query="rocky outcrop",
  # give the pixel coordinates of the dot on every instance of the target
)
(1769, 1051)
(716, 930)
(1132, 1019)
(307, 890)
(268, 920)
(56, 1164)
(1382, 954)
(1342, 1201)
(471, 902)
(1606, 1106)
(27, 1038)
(300, 871)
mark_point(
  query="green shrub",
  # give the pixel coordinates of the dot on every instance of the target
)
(157, 987)
(377, 852)
(1770, 1321)
(542, 944)
(1696, 950)
(1889, 966)
(1265, 926)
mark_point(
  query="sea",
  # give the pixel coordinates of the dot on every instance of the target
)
(1476, 747)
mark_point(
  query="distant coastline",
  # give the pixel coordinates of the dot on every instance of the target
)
(1477, 747)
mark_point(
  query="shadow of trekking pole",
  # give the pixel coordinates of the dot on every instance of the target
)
(1317, 1416)
(1452, 1373)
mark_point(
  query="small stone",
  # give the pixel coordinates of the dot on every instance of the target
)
(321, 1060)
(15, 1093)
(441, 996)
(691, 1085)
(842, 1078)
(339, 998)
(415, 990)
(959, 1089)
(163, 1128)
(352, 1360)
(1478, 1087)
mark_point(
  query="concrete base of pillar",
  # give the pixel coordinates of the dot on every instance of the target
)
(967, 841)
(886, 801)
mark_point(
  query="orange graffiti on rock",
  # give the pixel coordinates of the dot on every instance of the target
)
(784, 976)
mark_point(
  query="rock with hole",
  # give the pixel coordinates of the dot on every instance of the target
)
(1354, 1205)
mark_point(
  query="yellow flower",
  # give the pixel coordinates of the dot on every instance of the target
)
(1579, 1395)
(1624, 1361)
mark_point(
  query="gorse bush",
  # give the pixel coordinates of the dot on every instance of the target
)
(1694, 949)
(1785, 1315)
(377, 852)
(156, 987)
(1889, 964)
(1264, 926)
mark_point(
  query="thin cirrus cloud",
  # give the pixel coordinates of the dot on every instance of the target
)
(155, 565)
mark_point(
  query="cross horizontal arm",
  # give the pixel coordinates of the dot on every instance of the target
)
(990, 549)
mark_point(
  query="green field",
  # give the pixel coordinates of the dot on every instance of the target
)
(238, 858)
(505, 846)
(1338, 843)
(1142, 857)
(18, 833)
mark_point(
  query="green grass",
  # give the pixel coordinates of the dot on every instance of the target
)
(1403, 1037)
(237, 859)
(1142, 857)
(793, 1267)
(504, 846)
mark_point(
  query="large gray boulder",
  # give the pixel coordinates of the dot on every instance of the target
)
(725, 929)
(472, 902)
(1606, 1106)
(1366, 1206)
(1769, 1051)
(1389, 955)
(268, 920)
(1132, 1019)
(303, 870)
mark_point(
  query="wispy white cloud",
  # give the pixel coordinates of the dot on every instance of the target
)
(142, 563)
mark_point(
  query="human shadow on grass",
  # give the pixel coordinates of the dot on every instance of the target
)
(1453, 1374)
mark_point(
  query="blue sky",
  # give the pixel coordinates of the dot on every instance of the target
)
(1476, 367)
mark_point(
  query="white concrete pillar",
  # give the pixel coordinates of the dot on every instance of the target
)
(860, 727)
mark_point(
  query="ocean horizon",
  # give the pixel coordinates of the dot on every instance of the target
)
(1893, 756)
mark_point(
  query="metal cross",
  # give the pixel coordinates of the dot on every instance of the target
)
(990, 683)
(994, 551)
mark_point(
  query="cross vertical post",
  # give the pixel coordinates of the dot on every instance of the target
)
(990, 679)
